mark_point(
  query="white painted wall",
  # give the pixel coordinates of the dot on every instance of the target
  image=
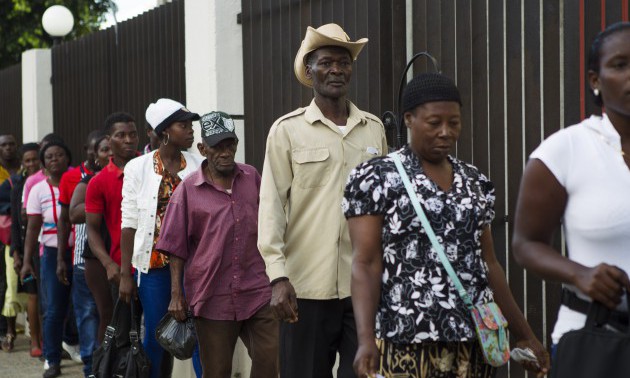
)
(214, 61)
(214, 81)
(37, 101)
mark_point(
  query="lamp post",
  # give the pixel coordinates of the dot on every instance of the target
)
(57, 21)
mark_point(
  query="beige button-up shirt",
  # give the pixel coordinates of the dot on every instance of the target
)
(302, 233)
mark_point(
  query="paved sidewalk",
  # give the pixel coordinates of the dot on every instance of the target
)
(19, 363)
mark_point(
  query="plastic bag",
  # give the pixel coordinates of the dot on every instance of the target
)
(177, 338)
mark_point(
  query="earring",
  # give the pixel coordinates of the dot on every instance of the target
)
(596, 92)
(168, 138)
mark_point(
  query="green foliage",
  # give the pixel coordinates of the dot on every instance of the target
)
(21, 24)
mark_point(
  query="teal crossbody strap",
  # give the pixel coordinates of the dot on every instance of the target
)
(429, 231)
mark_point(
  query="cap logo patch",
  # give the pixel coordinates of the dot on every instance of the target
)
(216, 125)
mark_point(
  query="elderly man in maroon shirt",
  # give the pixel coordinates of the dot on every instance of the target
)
(210, 232)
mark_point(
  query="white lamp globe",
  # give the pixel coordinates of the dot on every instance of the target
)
(58, 21)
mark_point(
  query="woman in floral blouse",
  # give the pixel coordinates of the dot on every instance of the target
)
(410, 319)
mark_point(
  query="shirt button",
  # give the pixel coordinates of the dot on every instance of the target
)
(236, 239)
(232, 202)
(236, 220)
(235, 277)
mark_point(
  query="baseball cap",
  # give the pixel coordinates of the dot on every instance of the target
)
(165, 111)
(215, 127)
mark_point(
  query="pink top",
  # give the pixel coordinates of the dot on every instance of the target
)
(30, 183)
(43, 200)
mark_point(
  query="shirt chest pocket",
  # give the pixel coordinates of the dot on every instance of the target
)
(312, 168)
(146, 212)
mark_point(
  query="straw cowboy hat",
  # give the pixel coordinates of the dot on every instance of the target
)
(325, 35)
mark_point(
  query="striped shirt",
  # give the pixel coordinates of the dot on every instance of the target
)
(80, 232)
(80, 229)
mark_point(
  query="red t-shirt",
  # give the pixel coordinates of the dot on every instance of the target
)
(69, 182)
(104, 196)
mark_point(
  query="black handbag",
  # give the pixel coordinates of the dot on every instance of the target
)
(597, 350)
(121, 353)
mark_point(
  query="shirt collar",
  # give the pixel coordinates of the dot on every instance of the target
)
(199, 178)
(413, 162)
(314, 114)
(604, 129)
(111, 167)
(158, 164)
(609, 130)
(86, 169)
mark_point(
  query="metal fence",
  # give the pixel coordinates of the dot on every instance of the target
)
(272, 33)
(519, 64)
(11, 101)
(122, 68)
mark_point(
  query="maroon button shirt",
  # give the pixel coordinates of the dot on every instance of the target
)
(215, 232)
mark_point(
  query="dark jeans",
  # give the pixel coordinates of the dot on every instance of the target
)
(86, 316)
(308, 348)
(217, 339)
(56, 302)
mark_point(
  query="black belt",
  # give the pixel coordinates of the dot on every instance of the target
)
(616, 319)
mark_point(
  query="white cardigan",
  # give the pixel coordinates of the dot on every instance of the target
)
(139, 204)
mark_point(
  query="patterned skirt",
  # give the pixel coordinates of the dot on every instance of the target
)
(433, 360)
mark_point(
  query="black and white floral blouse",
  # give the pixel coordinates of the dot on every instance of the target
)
(418, 300)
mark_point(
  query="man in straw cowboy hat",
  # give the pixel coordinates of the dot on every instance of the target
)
(303, 236)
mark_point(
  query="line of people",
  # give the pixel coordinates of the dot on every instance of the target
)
(321, 256)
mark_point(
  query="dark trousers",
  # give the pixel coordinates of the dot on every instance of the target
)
(309, 347)
(217, 339)
(56, 299)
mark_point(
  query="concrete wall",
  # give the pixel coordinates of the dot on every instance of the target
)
(37, 105)
(214, 81)
(214, 60)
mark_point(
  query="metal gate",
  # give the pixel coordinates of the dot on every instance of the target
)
(118, 69)
(519, 64)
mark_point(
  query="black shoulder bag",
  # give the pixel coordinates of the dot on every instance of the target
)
(597, 350)
(121, 354)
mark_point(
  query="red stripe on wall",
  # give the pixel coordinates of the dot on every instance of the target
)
(624, 10)
(582, 64)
